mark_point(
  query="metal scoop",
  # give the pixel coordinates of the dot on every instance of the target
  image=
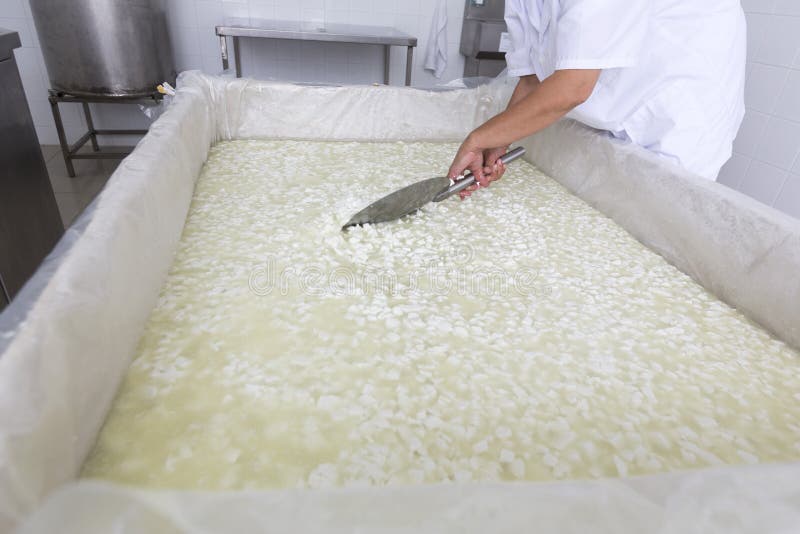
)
(412, 197)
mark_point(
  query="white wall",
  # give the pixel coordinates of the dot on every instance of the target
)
(766, 159)
(191, 26)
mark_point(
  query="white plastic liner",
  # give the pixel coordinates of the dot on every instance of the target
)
(758, 500)
(65, 345)
(744, 252)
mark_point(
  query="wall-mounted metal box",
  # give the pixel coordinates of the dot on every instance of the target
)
(481, 36)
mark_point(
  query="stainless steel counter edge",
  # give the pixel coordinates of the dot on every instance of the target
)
(9, 40)
(312, 35)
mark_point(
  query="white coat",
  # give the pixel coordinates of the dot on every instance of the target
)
(672, 76)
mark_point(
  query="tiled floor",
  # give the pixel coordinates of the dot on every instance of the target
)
(74, 194)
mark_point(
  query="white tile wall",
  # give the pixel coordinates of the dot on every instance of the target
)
(769, 182)
(191, 26)
(750, 133)
(780, 143)
(734, 170)
(788, 199)
(766, 153)
(764, 86)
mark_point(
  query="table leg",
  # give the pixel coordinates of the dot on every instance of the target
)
(5, 298)
(409, 62)
(90, 124)
(387, 55)
(238, 59)
(223, 50)
(62, 137)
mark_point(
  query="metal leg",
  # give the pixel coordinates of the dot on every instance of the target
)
(238, 59)
(5, 298)
(92, 132)
(409, 62)
(62, 137)
(223, 50)
(387, 55)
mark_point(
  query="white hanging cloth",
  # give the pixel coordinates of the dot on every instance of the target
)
(436, 54)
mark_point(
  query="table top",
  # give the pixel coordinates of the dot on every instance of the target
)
(311, 31)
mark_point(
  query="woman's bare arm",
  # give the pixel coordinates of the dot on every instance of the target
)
(533, 106)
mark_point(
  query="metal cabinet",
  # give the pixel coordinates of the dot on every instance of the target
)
(481, 38)
(30, 224)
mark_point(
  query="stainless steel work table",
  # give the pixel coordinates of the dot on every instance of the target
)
(307, 31)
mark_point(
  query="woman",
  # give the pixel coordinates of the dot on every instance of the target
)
(667, 75)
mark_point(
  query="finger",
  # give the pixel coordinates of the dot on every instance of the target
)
(497, 170)
(467, 191)
(459, 166)
(495, 155)
(476, 168)
(501, 170)
(456, 169)
(494, 176)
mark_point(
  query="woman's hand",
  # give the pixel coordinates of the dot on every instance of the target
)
(481, 162)
(534, 105)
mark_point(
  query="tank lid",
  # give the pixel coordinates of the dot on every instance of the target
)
(9, 40)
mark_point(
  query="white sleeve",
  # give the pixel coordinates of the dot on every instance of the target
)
(607, 34)
(518, 57)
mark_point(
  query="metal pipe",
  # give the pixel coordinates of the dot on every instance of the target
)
(409, 62)
(62, 137)
(116, 154)
(90, 124)
(223, 49)
(237, 52)
(387, 57)
(79, 143)
(120, 132)
(469, 179)
(5, 298)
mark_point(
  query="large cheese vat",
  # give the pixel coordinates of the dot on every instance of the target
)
(104, 47)
(67, 341)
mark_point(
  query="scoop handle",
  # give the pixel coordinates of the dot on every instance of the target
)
(469, 179)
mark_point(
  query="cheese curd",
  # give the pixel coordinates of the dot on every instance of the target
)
(519, 334)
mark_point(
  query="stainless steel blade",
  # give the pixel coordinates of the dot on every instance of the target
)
(413, 197)
(401, 202)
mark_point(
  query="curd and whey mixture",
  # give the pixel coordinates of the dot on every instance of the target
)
(517, 335)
